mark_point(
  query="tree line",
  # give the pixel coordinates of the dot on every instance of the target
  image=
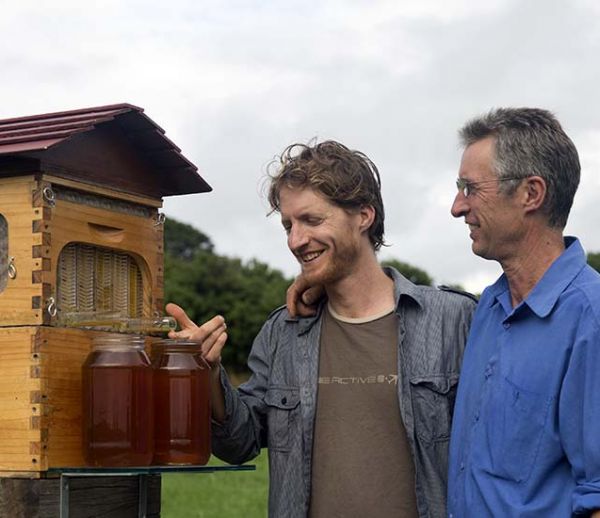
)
(205, 284)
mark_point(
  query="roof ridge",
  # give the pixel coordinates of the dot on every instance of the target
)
(31, 128)
(122, 107)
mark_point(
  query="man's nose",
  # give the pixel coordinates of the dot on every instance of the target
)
(297, 237)
(460, 206)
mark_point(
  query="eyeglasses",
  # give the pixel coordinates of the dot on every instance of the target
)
(467, 188)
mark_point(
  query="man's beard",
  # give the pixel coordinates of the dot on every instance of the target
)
(339, 265)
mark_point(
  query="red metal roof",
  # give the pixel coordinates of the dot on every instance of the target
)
(37, 133)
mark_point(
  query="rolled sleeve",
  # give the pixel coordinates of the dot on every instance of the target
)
(240, 436)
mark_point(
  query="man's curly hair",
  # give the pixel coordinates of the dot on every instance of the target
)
(345, 177)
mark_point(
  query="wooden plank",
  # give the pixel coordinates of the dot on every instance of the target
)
(19, 417)
(109, 497)
(14, 442)
(42, 420)
(15, 473)
(62, 354)
(15, 206)
(20, 498)
(15, 408)
(22, 381)
(8, 434)
(116, 497)
(103, 191)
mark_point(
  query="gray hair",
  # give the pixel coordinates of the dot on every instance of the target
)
(530, 142)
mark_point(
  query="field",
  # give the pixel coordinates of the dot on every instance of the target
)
(217, 495)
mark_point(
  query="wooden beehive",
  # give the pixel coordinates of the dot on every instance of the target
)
(80, 231)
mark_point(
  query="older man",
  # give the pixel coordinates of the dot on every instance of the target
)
(526, 430)
(354, 403)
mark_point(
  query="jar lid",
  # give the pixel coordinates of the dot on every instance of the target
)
(118, 340)
(178, 342)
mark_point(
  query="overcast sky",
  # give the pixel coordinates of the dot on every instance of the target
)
(234, 82)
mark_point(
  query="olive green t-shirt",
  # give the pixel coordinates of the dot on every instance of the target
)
(361, 462)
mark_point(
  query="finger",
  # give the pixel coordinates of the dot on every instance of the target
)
(200, 334)
(215, 325)
(294, 294)
(312, 295)
(209, 341)
(184, 334)
(180, 315)
(291, 299)
(213, 356)
(305, 310)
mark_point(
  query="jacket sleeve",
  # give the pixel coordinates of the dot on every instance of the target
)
(579, 414)
(469, 307)
(242, 434)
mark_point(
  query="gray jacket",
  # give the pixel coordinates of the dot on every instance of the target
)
(276, 407)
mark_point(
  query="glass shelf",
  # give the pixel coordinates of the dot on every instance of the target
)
(147, 470)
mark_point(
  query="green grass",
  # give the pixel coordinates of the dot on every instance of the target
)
(212, 495)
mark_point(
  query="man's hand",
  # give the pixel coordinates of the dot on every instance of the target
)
(302, 298)
(212, 334)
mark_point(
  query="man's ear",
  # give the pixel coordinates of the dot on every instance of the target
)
(367, 216)
(534, 193)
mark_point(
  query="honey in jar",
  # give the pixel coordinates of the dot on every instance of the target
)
(181, 403)
(117, 403)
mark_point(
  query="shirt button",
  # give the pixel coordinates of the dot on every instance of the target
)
(462, 466)
(476, 418)
(283, 400)
(506, 325)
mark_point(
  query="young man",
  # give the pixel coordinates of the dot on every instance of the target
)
(354, 403)
(526, 432)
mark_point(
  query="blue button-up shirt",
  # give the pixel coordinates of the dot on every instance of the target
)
(526, 431)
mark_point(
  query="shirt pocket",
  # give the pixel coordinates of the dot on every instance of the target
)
(514, 426)
(433, 398)
(282, 413)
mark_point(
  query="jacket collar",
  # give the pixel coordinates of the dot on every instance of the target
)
(403, 289)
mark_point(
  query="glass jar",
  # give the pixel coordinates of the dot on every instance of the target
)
(181, 403)
(117, 403)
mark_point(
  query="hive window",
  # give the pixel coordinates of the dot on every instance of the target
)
(96, 279)
(3, 253)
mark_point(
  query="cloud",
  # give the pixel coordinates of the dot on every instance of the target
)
(234, 82)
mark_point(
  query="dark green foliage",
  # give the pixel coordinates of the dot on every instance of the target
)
(184, 241)
(594, 261)
(412, 273)
(205, 284)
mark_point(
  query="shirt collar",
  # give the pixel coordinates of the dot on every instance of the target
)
(542, 299)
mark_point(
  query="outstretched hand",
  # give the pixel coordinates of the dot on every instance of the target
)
(212, 334)
(302, 298)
